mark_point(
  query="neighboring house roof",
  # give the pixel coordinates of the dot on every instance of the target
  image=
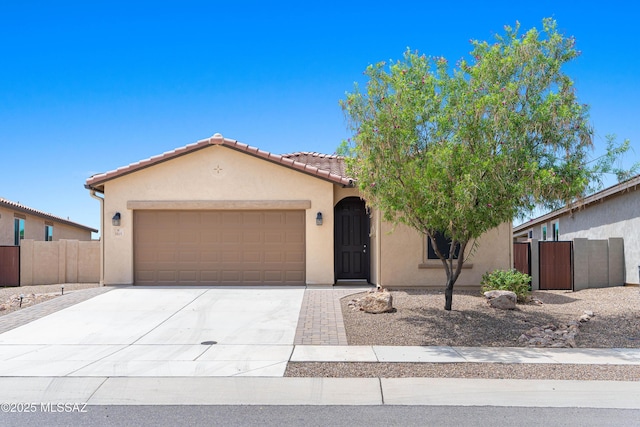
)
(25, 209)
(330, 168)
(629, 185)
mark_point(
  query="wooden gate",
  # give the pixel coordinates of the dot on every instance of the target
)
(522, 257)
(556, 265)
(9, 265)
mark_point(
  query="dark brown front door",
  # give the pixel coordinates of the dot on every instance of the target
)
(351, 239)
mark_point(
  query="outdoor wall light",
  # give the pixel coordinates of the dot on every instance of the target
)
(116, 220)
(319, 218)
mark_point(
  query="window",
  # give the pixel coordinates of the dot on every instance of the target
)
(48, 233)
(555, 230)
(18, 231)
(543, 234)
(444, 244)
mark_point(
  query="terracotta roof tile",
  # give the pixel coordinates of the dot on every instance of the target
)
(324, 166)
(25, 209)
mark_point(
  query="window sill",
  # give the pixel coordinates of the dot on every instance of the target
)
(438, 264)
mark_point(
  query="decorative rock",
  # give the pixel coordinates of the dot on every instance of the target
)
(503, 300)
(374, 302)
(549, 335)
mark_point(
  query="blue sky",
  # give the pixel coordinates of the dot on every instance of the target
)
(86, 87)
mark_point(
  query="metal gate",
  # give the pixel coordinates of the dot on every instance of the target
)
(9, 265)
(522, 257)
(556, 265)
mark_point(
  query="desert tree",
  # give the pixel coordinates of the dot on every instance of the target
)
(458, 150)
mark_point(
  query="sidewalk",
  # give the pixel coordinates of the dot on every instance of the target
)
(320, 391)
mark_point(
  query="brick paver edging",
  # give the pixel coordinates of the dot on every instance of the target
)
(29, 314)
(320, 321)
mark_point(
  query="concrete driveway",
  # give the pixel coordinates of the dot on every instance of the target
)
(160, 332)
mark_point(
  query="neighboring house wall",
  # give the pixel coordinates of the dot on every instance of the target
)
(62, 261)
(617, 217)
(217, 173)
(34, 227)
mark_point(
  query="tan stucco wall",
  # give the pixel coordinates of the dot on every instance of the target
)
(34, 228)
(217, 173)
(403, 258)
(62, 261)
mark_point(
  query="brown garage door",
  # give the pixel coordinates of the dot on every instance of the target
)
(219, 247)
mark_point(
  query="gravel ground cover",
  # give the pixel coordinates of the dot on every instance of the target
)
(420, 319)
(10, 296)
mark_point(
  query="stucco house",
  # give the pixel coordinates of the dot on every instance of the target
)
(19, 222)
(222, 212)
(613, 213)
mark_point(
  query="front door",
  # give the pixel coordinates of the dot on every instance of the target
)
(351, 239)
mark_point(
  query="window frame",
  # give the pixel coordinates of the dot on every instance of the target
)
(19, 229)
(441, 242)
(48, 232)
(555, 230)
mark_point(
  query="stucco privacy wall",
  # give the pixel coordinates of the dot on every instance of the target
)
(62, 261)
(216, 173)
(404, 261)
(34, 228)
(618, 217)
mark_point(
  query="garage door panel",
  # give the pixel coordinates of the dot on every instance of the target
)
(166, 276)
(185, 257)
(163, 256)
(210, 236)
(188, 275)
(231, 276)
(252, 257)
(229, 237)
(294, 237)
(231, 218)
(216, 247)
(189, 237)
(294, 276)
(270, 257)
(165, 236)
(294, 257)
(210, 257)
(252, 276)
(212, 277)
(273, 238)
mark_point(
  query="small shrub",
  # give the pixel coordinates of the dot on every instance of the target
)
(508, 280)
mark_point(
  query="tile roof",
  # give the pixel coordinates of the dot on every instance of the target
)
(328, 167)
(331, 162)
(25, 209)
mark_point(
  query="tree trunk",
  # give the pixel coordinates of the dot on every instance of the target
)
(452, 276)
(448, 295)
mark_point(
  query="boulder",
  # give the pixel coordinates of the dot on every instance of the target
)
(376, 302)
(502, 300)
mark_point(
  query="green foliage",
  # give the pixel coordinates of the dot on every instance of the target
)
(507, 280)
(462, 150)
